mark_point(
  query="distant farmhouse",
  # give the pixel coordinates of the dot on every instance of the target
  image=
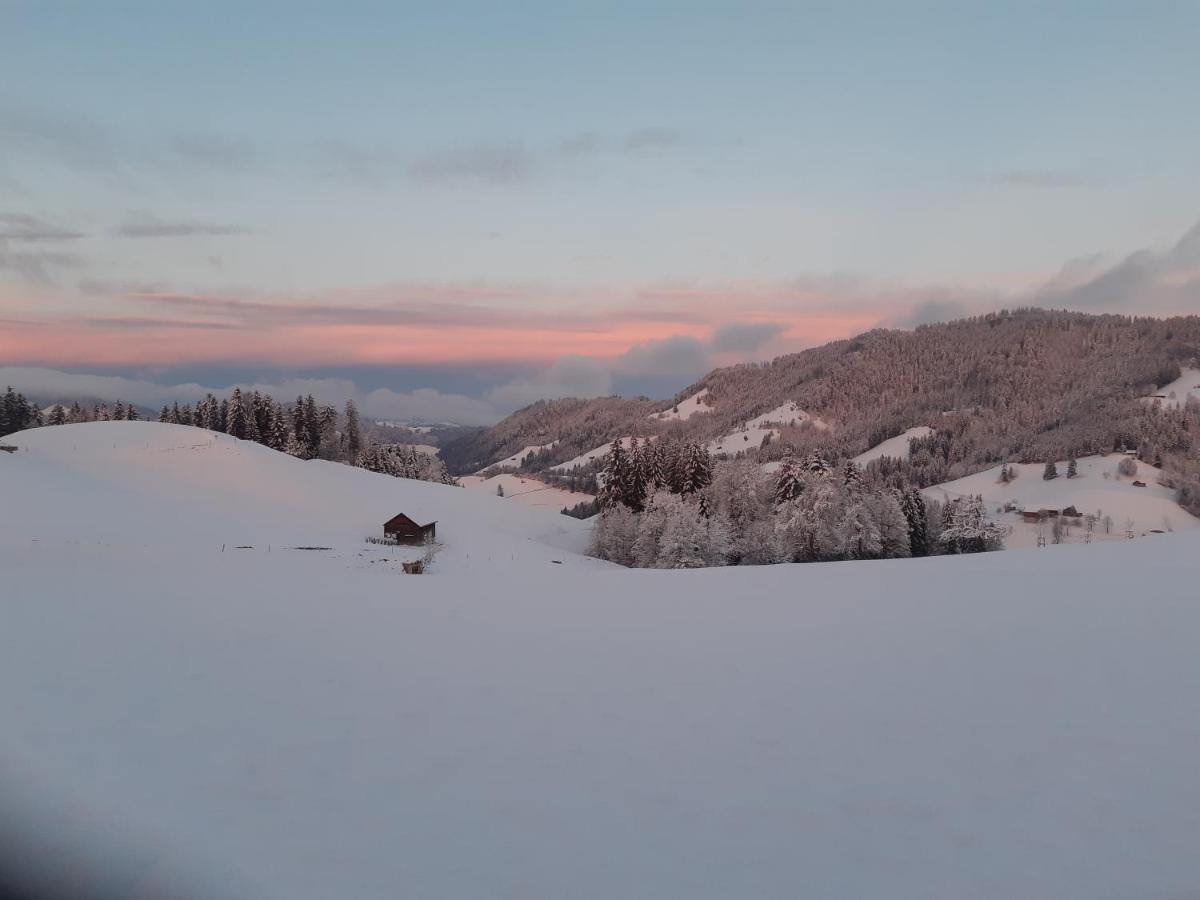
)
(404, 530)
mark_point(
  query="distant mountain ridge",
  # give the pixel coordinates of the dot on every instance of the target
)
(1011, 385)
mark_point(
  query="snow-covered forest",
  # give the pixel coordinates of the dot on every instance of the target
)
(669, 505)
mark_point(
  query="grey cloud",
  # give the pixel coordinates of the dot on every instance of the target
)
(1143, 282)
(71, 142)
(1040, 178)
(150, 227)
(39, 267)
(30, 229)
(79, 143)
(653, 138)
(926, 312)
(99, 287)
(739, 337)
(481, 164)
(571, 376)
(582, 144)
(677, 355)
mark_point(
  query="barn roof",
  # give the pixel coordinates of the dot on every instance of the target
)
(400, 518)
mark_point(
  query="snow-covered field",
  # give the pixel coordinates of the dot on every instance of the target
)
(1176, 393)
(898, 447)
(300, 725)
(1152, 507)
(685, 409)
(527, 491)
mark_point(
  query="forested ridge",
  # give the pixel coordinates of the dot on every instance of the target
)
(1021, 385)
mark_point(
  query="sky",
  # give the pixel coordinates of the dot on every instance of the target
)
(450, 210)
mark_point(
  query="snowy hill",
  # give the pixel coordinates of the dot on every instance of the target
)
(514, 461)
(684, 409)
(1099, 490)
(1178, 392)
(750, 435)
(171, 486)
(594, 455)
(898, 447)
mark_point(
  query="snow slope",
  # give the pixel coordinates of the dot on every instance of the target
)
(898, 447)
(1177, 392)
(1008, 725)
(514, 461)
(159, 486)
(751, 434)
(526, 491)
(685, 409)
(591, 456)
(1149, 507)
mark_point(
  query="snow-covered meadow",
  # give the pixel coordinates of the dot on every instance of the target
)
(292, 724)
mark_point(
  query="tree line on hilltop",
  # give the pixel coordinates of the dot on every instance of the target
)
(304, 428)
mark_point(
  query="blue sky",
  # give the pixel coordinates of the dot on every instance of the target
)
(602, 183)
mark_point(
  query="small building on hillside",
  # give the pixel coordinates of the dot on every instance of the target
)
(1029, 515)
(1139, 484)
(404, 530)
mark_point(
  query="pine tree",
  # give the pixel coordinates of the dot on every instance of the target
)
(1072, 468)
(633, 488)
(295, 447)
(970, 530)
(612, 477)
(118, 412)
(789, 483)
(815, 467)
(852, 478)
(1050, 472)
(312, 426)
(351, 433)
(278, 434)
(913, 507)
(858, 532)
(237, 417)
(698, 466)
(131, 413)
(58, 415)
(164, 415)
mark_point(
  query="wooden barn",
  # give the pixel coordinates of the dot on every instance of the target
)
(404, 530)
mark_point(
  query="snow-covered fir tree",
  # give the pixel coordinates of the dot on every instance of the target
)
(969, 529)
